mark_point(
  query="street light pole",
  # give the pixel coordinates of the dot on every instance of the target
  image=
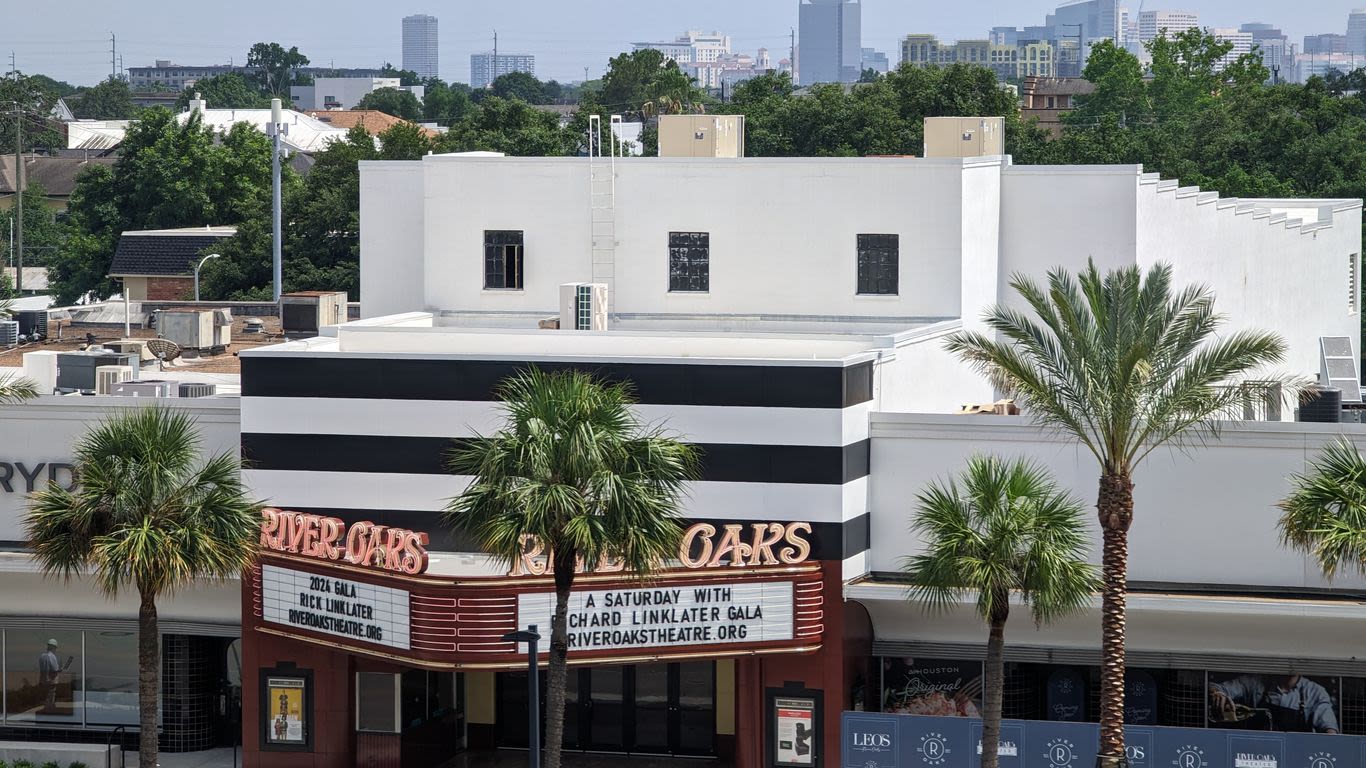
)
(275, 129)
(196, 273)
(530, 636)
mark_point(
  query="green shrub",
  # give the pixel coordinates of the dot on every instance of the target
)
(51, 764)
(78, 764)
(22, 764)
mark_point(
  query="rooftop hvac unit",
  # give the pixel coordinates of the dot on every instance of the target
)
(195, 329)
(41, 368)
(136, 347)
(32, 321)
(9, 333)
(583, 307)
(107, 377)
(76, 370)
(144, 389)
(196, 389)
(307, 312)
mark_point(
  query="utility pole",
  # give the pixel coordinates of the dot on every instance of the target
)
(113, 57)
(18, 198)
(277, 127)
(13, 68)
(792, 53)
(493, 71)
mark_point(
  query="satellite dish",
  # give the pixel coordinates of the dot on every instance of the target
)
(164, 350)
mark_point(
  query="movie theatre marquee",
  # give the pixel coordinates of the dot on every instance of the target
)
(742, 590)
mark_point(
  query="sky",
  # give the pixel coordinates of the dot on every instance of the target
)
(565, 35)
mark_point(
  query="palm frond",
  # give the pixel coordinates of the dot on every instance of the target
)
(1325, 514)
(16, 389)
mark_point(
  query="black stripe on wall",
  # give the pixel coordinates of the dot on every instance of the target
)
(829, 541)
(721, 462)
(771, 386)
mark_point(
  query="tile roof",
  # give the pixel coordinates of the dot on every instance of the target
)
(165, 251)
(373, 120)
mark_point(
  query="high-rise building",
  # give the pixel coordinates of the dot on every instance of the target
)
(1241, 42)
(692, 47)
(1327, 43)
(875, 60)
(486, 67)
(1152, 23)
(1356, 31)
(419, 45)
(1272, 43)
(1024, 58)
(830, 41)
(1077, 26)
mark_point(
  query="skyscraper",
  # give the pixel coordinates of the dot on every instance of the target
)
(486, 67)
(1356, 31)
(830, 41)
(419, 45)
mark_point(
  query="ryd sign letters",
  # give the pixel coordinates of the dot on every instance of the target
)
(21, 477)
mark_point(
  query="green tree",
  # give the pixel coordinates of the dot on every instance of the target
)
(405, 76)
(1123, 363)
(640, 77)
(1325, 514)
(275, 67)
(576, 469)
(1003, 528)
(226, 91)
(510, 126)
(43, 235)
(148, 515)
(35, 97)
(110, 100)
(392, 101)
(520, 85)
(171, 173)
(445, 103)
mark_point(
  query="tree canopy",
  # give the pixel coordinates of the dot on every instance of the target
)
(275, 67)
(110, 100)
(392, 101)
(226, 91)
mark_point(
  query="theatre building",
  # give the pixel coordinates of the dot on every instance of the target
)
(792, 342)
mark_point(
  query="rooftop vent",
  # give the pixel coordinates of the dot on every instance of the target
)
(305, 313)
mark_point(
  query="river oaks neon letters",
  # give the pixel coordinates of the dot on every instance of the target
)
(328, 538)
(704, 546)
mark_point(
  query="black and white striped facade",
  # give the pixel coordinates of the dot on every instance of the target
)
(366, 437)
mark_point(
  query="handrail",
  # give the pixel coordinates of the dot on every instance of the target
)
(109, 742)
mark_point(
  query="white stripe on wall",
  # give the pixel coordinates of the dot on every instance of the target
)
(429, 493)
(460, 418)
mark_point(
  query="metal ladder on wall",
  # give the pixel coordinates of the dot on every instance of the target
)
(602, 202)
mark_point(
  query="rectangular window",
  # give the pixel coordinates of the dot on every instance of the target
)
(377, 702)
(878, 257)
(689, 262)
(503, 259)
(1353, 285)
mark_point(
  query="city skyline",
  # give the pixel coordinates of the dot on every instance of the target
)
(564, 39)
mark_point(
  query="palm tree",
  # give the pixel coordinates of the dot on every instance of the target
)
(1325, 514)
(1123, 363)
(149, 515)
(1004, 528)
(14, 388)
(575, 469)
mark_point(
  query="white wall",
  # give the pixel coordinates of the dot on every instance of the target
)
(391, 238)
(923, 377)
(45, 430)
(1206, 516)
(782, 231)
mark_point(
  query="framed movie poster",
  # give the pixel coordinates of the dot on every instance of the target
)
(286, 709)
(794, 723)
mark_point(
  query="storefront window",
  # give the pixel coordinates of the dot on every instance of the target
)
(43, 673)
(1293, 703)
(111, 678)
(919, 686)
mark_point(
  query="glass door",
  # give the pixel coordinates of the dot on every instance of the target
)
(694, 707)
(606, 709)
(653, 709)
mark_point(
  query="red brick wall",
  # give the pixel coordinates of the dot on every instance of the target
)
(170, 288)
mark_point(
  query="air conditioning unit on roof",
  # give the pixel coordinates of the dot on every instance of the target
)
(583, 307)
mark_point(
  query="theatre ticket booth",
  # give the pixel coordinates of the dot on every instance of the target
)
(361, 648)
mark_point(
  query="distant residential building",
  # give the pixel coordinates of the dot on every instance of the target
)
(56, 176)
(303, 133)
(875, 60)
(1327, 43)
(830, 35)
(486, 67)
(419, 45)
(1152, 23)
(1047, 99)
(730, 68)
(1241, 41)
(165, 74)
(373, 121)
(1356, 31)
(1309, 65)
(158, 264)
(1026, 58)
(692, 47)
(344, 92)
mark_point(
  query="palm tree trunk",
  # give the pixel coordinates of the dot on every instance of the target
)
(1116, 510)
(558, 672)
(994, 690)
(149, 681)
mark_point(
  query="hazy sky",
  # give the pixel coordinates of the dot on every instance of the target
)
(565, 35)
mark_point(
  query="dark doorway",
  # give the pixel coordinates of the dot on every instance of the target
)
(660, 709)
(432, 716)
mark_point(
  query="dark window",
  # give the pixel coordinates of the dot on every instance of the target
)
(689, 261)
(503, 259)
(877, 264)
